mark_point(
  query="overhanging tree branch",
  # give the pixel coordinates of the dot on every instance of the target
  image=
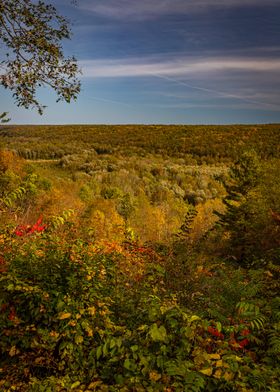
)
(32, 34)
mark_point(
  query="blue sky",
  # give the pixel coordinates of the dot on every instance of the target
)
(168, 61)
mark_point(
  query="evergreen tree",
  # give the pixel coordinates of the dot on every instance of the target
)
(237, 220)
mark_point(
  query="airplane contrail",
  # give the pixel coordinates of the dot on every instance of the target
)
(194, 87)
(221, 93)
(108, 101)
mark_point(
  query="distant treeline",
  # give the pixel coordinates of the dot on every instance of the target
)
(196, 144)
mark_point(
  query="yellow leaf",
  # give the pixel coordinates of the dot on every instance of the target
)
(13, 351)
(214, 356)
(64, 316)
(89, 331)
(228, 376)
(268, 273)
(75, 385)
(218, 373)
(219, 363)
(154, 376)
(54, 334)
(194, 318)
(91, 310)
(39, 360)
(207, 371)
(95, 384)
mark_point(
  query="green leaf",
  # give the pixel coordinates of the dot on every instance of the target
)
(79, 339)
(99, 352)
(158, 333)
(127, 364)
(218, 326)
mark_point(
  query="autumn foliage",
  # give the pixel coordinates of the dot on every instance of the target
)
(139, 274)
(23, 230)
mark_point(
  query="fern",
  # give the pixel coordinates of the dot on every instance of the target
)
(275, 309)
(57, 221)
(258, 322)
(10, 199)
(251, 313)
(187, 226)
(247, 308)
(274, 340)
(257, 380)
(274, 268)
(274, 333)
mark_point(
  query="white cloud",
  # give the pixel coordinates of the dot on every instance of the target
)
(149, 9)
(177, 67)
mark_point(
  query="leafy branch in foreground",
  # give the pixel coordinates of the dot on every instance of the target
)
(3, 118)
(32, 34)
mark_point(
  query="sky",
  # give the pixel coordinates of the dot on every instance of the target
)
(168, 62)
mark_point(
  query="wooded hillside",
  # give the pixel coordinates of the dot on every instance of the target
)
(139, 258)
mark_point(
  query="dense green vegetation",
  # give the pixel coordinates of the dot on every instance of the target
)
(139, 258)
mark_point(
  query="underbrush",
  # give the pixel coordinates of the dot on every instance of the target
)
(83, 316)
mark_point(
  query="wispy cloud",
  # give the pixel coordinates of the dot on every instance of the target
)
(197, 71)
(140, 67)
(147, 9)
